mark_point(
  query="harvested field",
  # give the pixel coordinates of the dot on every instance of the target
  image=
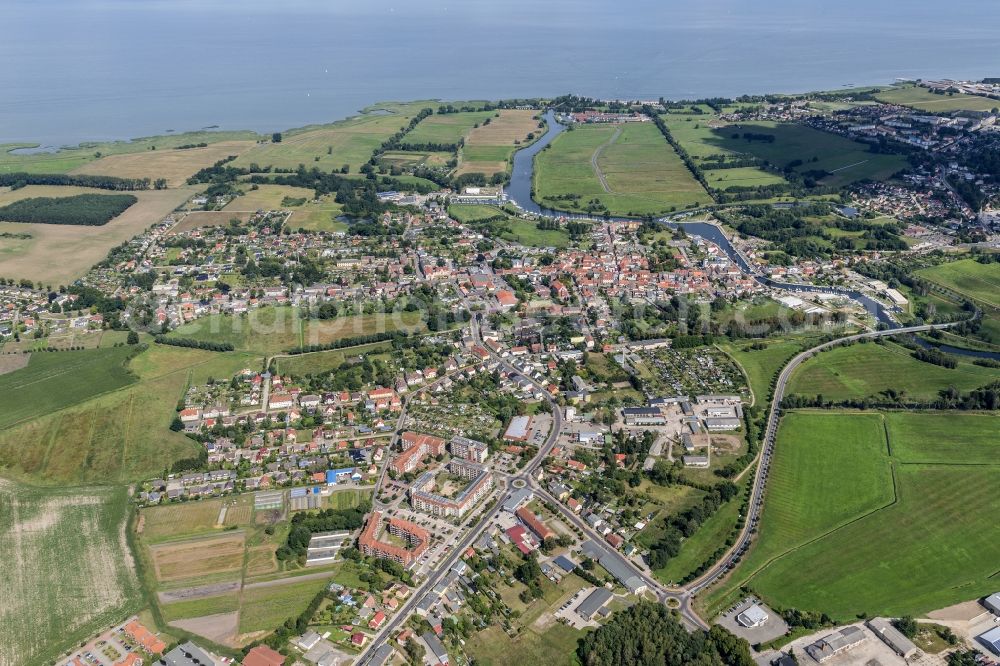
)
(208, 218)
(488, 148)
(174, 165)
(198, 557)
(172, 520)
(67, 568)
(58, 253)
(260, 561)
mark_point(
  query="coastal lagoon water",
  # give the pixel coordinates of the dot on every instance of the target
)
(78, 70)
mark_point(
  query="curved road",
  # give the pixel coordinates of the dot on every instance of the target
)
(764, 457)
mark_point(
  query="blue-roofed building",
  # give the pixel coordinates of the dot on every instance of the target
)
(333, 475)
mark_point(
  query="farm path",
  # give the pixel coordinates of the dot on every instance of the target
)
(597, 154)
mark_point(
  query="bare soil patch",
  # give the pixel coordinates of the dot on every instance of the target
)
(194, 558)
(12, 362)
(199, 592)
(174, 165)
(219, 628)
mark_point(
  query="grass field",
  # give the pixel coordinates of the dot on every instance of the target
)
(119, 436)
(555, 646)
(446, 128)
(351, 141)
(847, 161)
(488, 148)
(174, 165)
(851, 525)
(320, 362)
(68, 571)
(54, 380)
(629, 169)
(57, 253)
(981, 282)
(75, 157)
(181, 610)
(267, 197)
(271, 330)
(925, 100)
(264, 608)
(762, 365)
(696, 550)
(866, 370)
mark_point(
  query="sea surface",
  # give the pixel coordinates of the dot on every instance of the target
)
(75, 70)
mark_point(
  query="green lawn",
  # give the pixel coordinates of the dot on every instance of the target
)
(54, 380)
(271, 330)
(182, 610)
(762, 365)
(866, 370)
(924, 100)
(847, 161)
(944, 437)
(642, 172)
(66, 568)
(466, 213)
(936, 547)
(264, 608)
(828, 469)
(842, 534)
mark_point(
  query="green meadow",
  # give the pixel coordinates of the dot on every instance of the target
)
(629, 169)
(861, 515)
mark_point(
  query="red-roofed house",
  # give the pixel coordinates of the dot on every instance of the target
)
(263, 656)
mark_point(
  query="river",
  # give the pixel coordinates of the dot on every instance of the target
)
(519, 192)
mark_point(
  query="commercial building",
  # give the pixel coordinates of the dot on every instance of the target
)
(754, 616)
(188, 654)
(517, 431)
(991, 640)
(992, 602)
(418, 447)
(415, 536)
(639, 416)
(594, 602)
(616, 566)
(719, 424)
(892, 637)
(836, 643)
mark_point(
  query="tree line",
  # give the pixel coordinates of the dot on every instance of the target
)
(20, 179)
(194, 344)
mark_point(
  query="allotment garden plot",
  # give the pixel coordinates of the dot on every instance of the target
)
(689, 372)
